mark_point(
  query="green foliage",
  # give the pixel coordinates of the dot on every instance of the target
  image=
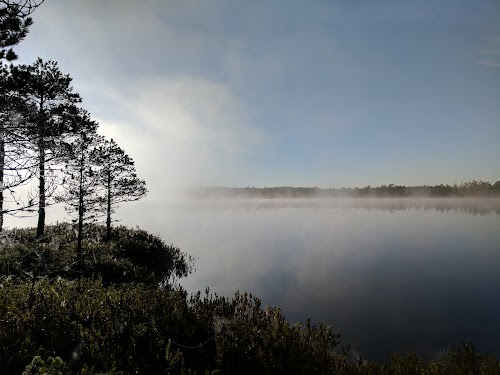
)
(132, 255)
(463, 361)
(136, 329)
(86, 323)
(250, 339)
(51, 366)
(130, 328)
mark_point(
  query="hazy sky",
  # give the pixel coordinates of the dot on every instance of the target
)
(267, 93)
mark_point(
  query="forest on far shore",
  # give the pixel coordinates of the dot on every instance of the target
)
(464, 189)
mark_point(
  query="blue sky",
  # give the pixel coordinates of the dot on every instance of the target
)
(273, 93)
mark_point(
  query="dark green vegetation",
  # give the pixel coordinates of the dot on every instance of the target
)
(466, 189)
(132, 255)
(117, 312)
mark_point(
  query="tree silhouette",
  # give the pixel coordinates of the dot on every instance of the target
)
(81, 188)
(14, 25)
(23, 7)
(49, 95)
(119, 179)
(16, 162)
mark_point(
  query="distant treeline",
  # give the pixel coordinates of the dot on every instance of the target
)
(464, 189)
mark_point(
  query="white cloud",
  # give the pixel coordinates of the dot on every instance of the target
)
(182, 131)
(489, 52)
(489, 63)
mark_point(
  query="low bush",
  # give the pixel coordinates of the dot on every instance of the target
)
(129, 328)
(132, 255)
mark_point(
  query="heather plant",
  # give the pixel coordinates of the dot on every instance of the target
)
(133, 328)
(50, 366)
(129, 328)
(462, 361)
(132, 255)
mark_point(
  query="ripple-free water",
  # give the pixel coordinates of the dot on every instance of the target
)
(392, 275)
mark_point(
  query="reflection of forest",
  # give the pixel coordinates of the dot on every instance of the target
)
(465, 189)
(471, 206)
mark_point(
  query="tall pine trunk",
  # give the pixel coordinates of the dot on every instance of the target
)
(2, 166)
(80, 215)
(108, 216)
(80, 230)
(40, 229)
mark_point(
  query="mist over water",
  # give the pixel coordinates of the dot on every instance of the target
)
(392, 275)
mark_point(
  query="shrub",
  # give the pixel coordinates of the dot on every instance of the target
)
(132, 255)
(50, 366)
(129, 327)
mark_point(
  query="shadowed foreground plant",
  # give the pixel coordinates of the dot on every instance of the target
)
(51, 366)
(132, 255)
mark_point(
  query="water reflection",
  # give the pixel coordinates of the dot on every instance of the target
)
(475, 206)
(393, 275)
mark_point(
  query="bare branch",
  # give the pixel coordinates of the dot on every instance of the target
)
(24, 7)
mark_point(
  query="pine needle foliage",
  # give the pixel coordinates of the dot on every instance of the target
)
(49, 95)
(118, 178)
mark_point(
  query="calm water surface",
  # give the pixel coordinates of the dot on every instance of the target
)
(390, 275)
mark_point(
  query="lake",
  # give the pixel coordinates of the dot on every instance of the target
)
(392, 275)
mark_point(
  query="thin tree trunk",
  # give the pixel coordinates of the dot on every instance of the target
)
(40, 229)
(80, 230)
(108, 219)
(2, 166)
(80, 218)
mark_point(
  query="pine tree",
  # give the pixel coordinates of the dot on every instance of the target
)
(82, 193)
(50, 96)
(119, 179)
(16, 162)
(14, 26)
(23, 8)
